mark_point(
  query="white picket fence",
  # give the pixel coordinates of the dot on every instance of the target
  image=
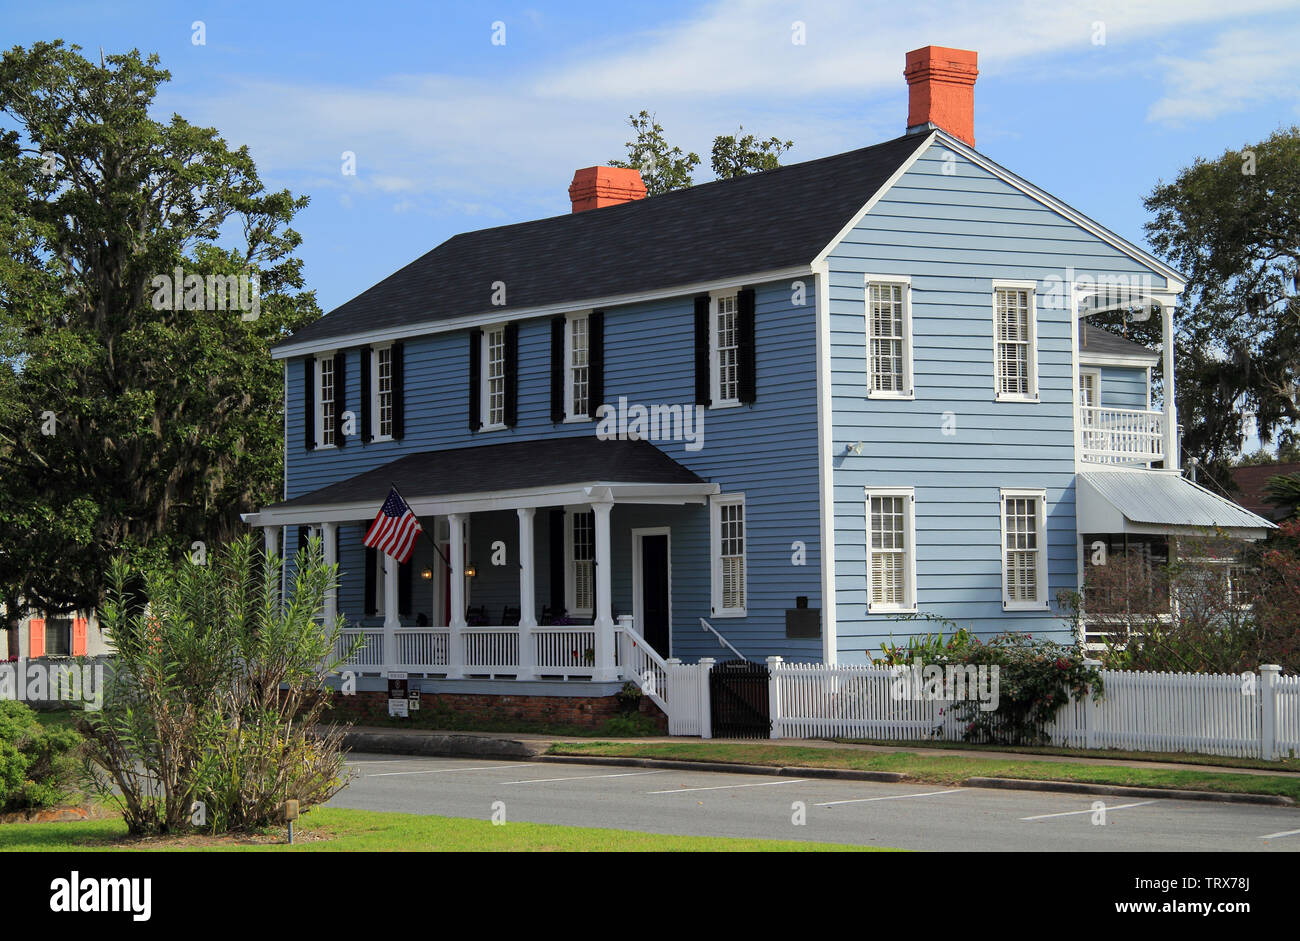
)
(1249, 715)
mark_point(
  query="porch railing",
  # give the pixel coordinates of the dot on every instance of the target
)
(1121, 435)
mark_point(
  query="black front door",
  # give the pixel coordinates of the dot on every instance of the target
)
(654, 593)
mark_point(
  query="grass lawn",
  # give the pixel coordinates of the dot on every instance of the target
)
(332, 829)
(1182, 758)
(939, 769)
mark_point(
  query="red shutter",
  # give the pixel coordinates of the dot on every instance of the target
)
(36, 637)
(78, 637)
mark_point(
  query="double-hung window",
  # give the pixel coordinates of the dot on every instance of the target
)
(580, 543)
(728, 545)
(725, 334)
(326, 420)
(891, 549)
(1024, 549)
(494, 377)
(577, 368)
(889, 337)
(1015, 341)
(381, 395)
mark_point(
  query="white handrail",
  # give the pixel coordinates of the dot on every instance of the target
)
(643, 664)
(726, 643)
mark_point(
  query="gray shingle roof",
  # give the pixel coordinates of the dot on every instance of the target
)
(1101, 342)
(728, 228)
(511, 466)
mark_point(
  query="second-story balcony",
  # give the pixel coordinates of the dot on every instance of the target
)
(1121, 435)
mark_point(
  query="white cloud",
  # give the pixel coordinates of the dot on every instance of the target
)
(1242, 69)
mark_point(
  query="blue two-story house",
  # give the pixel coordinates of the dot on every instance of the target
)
(782, 414)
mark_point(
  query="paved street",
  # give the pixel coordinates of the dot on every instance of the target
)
(908, 816)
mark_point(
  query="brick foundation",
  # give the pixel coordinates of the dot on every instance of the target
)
(581, 711)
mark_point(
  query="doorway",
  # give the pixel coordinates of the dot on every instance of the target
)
(651, 588)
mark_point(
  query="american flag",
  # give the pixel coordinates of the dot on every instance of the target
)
(394, 530)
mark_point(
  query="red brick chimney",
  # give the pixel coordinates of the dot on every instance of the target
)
(941, 90)
(595, 187)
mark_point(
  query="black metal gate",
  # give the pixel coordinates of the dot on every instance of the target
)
(738, 701)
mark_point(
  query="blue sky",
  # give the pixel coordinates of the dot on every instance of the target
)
(452, 132)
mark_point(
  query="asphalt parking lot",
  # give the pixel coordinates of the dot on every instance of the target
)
(906, 816)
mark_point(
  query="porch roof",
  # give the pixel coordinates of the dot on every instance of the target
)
(545, 472)
(1151, 501)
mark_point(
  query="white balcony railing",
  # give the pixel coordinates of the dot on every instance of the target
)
(1121, 435)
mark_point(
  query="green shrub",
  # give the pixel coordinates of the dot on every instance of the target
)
(38, 765)
(629, 725)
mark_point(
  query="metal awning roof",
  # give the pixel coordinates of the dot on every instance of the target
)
(1158, 502)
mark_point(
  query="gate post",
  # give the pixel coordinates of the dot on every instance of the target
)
(1268, 673)
(706, 716)
(774, 694)
(1090, 708)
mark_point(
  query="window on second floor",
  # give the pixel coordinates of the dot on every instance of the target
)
(1015, 346)
(889, 338)
(577, 368)
(381, 393)
(326, 416)
(725, 334)
(493, 397)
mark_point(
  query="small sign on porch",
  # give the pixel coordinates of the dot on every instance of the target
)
(397, 695)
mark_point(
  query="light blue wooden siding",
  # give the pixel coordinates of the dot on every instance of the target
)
(1123, 387)
(768, 451)
(953, 234)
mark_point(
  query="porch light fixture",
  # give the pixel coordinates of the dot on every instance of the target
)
(854, 448)
(427, 575)
(470, 571)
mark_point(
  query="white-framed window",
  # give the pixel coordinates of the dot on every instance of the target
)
(1024, 549)
(580, 558)
(1089, 387)
(724, 350)
(1015, 341)
(891, 549)
(577, 368)
(381, 393)
(728, 554)
(326, 419)
(493, 393)
(889, 337)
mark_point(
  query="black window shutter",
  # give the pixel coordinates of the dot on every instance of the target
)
(366, 392)
(309, 401)
(399, 391)
(512, 374)
(371, 563)
(558, 326)
(475, 378)
(340, 396)
(556, 560)
(595, 361)
(303, 537)
(702, 384)
(404, 588)
(748, 378)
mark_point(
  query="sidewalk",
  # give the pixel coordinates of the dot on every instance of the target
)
(528, 745)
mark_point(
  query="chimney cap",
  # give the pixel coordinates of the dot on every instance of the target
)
(595, 187)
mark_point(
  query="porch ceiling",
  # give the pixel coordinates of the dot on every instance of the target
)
(1148, 501)
(547, 472)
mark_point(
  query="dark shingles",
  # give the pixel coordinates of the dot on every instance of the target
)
(728, 228)
(511, 466)
(1101, 342)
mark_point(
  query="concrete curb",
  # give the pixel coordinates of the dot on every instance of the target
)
(1117, 790)
(445, 745)
(671, 764)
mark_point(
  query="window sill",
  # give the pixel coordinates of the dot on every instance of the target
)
(379, 439)
(1025, 606)
(730, 613)
(891, 609)
(325, 447)
(895, 396)
(483, 428)
(1029, 399)
(736, 404)
(576, 419)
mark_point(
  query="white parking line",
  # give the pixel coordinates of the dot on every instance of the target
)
(1071, 813)
(723, 787)
(1274, 836)
(892, 797)
(580, 777)
(509, 767)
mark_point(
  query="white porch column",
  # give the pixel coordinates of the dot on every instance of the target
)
(392, 600)
(1172, 461)
(604, 620)
(271, 539)
(329, 535)
(527, 592)
(455, 637)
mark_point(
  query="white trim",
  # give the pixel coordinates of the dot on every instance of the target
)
(1110, 359)
(921, 147)
(1003, 284)
(715, 554)
(825, 461)
(429, 328)
(715, 374)
(909, 550)
(373, 391)
(484, 378)
(318, 401)
(638, 588)
(1177, 281)
(569, 414)
(1078, 384)
(909, 381)
(570, 564)
(1042, 602)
